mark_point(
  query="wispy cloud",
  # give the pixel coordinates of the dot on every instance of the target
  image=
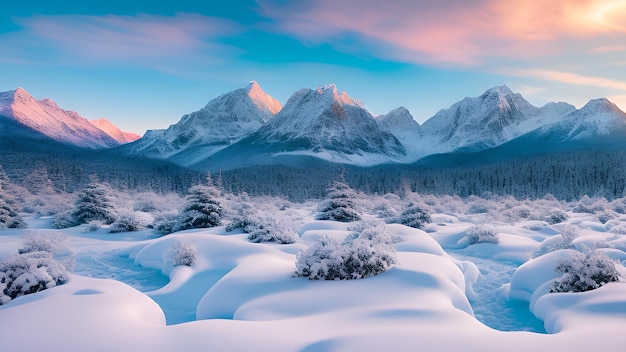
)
(150, 40)
(454, 31)
(565, 77)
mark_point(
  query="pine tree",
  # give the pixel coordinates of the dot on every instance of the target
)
(339, 202)
(93, 204)
(415, 216)
(203, 208)
(9, 218)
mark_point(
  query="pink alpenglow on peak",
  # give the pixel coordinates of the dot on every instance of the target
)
(113, 131)
(263, 100)
(46, 117)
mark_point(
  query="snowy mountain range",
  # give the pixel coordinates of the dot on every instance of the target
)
(45, 117)
(328, 125)
(222, 122)
(248, 127)
(321, 123)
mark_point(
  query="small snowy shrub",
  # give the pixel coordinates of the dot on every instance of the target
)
(569, 234)
(321, 261)
(585, 272)
(93, 226)
(363, 254)
(556, 216)
(415, 216)
(29, 273)
(165, 223)
(184, 253)
(128, 222)
(590, 206)
(482, 234)
(604, 216)
(44, 241)
(478, 205)
(269, 229)
(64, 220)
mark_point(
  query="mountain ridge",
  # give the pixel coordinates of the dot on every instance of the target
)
(63, 126)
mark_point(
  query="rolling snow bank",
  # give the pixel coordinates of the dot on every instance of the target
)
(241, 296)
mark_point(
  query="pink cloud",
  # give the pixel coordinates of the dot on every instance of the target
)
(111, 37)
(566, 77)
(456, 31)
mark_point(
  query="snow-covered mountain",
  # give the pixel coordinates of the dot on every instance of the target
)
(493, 118)
(222, 122)
(599, 118)
(113, 131)
(403, 126)
(325, 124)
(46, 117)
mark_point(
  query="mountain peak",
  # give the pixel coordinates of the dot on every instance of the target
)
(114, 131)
(262, 100)
(331, 91)
(47, 117)
(600, 105)
(501, 90)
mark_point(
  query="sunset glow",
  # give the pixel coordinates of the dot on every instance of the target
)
(124, 62)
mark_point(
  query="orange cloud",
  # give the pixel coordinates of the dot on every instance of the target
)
(455, 31)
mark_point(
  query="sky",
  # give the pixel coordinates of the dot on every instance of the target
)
(144, 64)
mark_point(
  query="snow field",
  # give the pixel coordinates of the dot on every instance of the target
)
(241, 296)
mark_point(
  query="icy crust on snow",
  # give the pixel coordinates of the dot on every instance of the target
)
(48, 118)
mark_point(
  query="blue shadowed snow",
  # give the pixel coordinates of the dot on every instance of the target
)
(490, 306)
(111, 265)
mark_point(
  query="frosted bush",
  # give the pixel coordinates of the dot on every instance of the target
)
(29, 273)
(184, 253)
(604, 216)
(556, 216)
(9, 218)
(416, 216)
(128, 222)
(478, 205)
(269, 229)
(43, 241)
(165, 223)
(64, 220)
(322, 261)
(482, 234)
(585, 272)
(363, 254)
(93, 226)
(591, 206)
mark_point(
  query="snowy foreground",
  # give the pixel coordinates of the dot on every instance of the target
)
(243, 296)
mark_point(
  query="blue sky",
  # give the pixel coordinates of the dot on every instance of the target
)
(144, 64)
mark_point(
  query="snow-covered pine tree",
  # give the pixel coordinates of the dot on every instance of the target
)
(93, 204)
(202, 209)
(339, 202)
(9, 218)
(415, 216)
